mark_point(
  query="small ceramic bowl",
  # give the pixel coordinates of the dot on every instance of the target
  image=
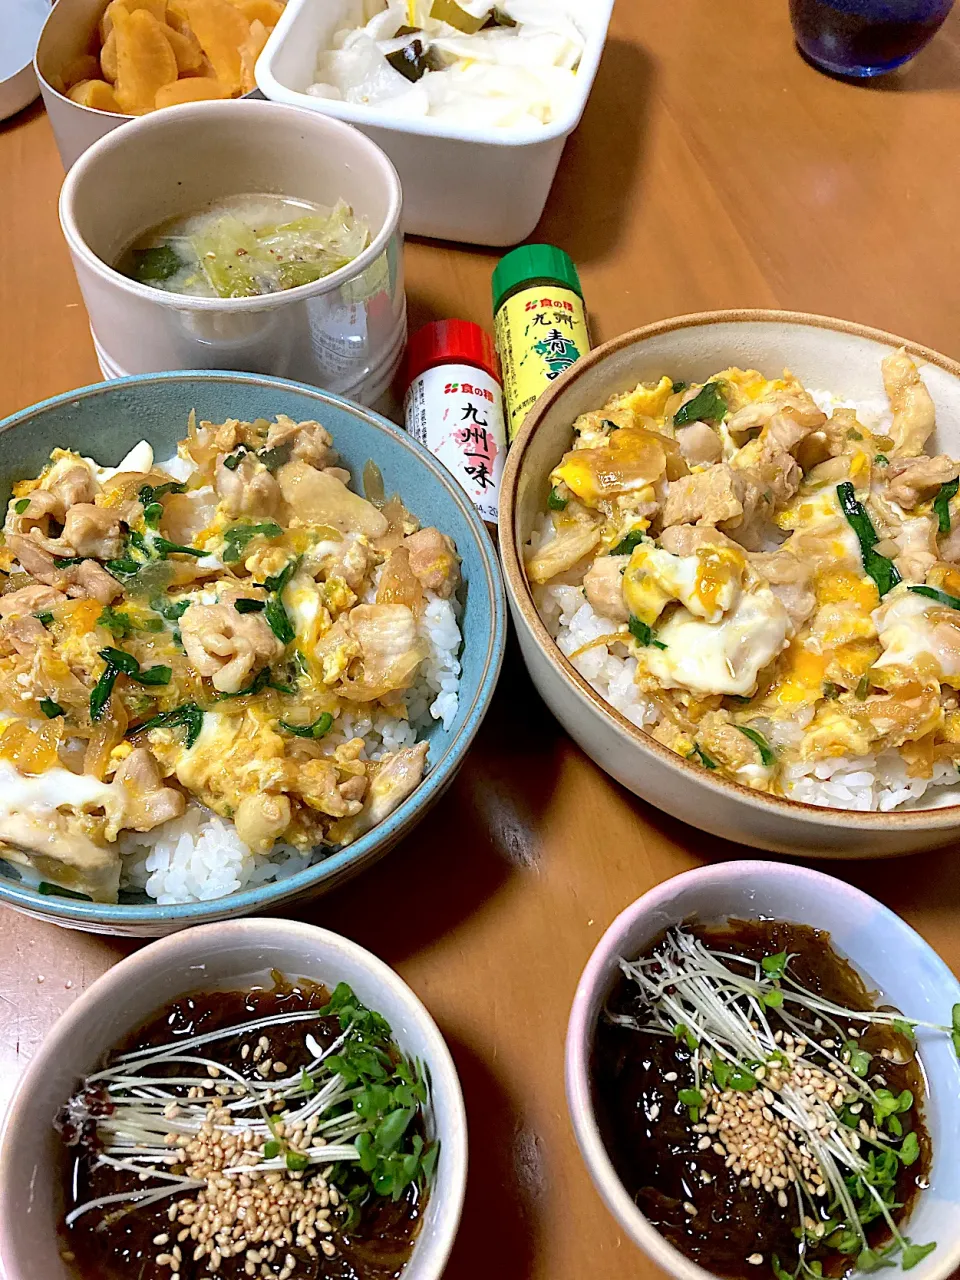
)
(229, 957)
(345, 332)
(894, 961)
(825, 354)
(106, 421)
(68, 34)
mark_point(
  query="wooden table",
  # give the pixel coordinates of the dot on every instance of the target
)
(714, 168)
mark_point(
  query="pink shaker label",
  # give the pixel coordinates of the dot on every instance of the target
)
(456, 410)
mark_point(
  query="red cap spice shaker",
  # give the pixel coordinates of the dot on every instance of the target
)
(454, 406)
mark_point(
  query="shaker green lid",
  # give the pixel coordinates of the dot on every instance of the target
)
(533, 262)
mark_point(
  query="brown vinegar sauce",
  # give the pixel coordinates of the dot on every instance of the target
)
(377, 1247)
(650, 1140)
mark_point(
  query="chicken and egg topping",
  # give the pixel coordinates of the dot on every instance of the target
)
(787, 583)
(167, 641)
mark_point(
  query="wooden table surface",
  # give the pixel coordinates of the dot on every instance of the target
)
(714, 168)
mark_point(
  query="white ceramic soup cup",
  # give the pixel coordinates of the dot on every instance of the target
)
(228, 956)
(825, 354)
(892, 958)
(344, 333)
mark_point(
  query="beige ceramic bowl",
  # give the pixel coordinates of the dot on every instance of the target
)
(825, 354)
(228, 956)
(345, 332)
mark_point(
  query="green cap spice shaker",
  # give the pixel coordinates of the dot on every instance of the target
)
(539, 321)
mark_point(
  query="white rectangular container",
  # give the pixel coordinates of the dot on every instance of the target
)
(481, 186)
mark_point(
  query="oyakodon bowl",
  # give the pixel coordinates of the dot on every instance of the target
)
(894, 961)
(344, 332)
(227, 956)
(825, 354)
(105, 421)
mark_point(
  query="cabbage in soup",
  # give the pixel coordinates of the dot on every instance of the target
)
(246, 246)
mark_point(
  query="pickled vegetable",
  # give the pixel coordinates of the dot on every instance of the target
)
(94, 93)
(145, 60)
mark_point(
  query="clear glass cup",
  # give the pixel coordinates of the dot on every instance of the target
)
(865, 37)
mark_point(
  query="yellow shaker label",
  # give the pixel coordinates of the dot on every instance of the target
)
(540, 333)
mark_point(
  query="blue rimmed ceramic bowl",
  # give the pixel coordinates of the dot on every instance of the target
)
(105, 421)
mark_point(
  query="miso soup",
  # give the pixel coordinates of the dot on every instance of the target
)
(246, 246)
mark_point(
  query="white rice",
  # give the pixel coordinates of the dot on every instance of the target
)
(199, 856)
(866, 783)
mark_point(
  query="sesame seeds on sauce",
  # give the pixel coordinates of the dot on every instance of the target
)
(256, 1197)
(730, 1175)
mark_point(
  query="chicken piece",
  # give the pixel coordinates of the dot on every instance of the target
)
(95, 582)
(309, 441)
(318, 782)
(250, 490)
(25, 635)
(351, 562)
(917, 541)
(790, 581)
(91, 531)
(261, 820)
(699, 444)
(603, 585)
(75, 485)
(398, 583)
(687, 539)
(389, 645)
(434, 560)
(37, 562)
(393, 779)
(226, 645)
(719, 495)
(914, 416)
(319, 497)
(913, 480)
(35, 520)
(29, 600)
(771, 467)
(147, 802)
(724, 743)
(794, 412)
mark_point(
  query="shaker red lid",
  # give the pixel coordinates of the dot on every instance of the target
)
(451, 341)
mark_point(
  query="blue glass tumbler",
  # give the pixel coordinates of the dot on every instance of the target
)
(865, 37)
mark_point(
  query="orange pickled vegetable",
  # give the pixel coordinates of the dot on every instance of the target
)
(221, 29)
(108, 57)
(145, 60)
(268, 12)
(250, 51)
(186, 50)
(194, 89)
(157, 7)
(95, 93)
(83, 68)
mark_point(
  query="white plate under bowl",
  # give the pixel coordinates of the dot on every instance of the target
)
(23, 21)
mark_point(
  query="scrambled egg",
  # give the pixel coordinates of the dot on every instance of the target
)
(787, 583)
(207, 636)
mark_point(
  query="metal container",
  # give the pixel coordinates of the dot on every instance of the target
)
(345, 333)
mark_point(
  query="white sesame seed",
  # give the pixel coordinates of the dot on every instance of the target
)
(755, 1259)
(689, 1209)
